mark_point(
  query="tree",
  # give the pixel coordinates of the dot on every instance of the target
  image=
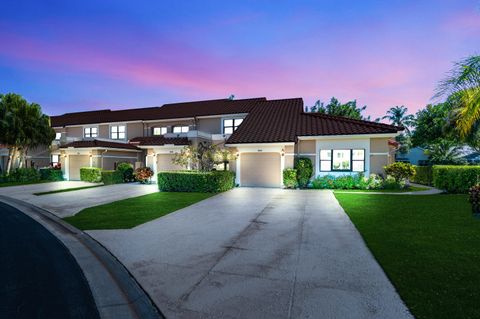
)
(432, 124)
(444, 152)
(462, 88)
(398, 116)
(202, 158)
(23, 126)
(334, 107)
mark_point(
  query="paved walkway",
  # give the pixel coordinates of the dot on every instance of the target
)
(70, 203)
(257, 253)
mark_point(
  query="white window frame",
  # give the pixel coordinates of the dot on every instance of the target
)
(118, 132)
(234, 126)
(84, 134)
(163, 130)
(183, 129)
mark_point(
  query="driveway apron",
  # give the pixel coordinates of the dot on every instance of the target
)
(257, 253)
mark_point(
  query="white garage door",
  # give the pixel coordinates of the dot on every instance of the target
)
(260, 169)
(75, 163)
(164, 163)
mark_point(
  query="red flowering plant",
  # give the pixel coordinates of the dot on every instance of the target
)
(143, 174)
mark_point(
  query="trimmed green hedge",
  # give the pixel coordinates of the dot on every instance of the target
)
(112, 177)
(290, 178)
(51, 174)
(194, 181)
(455, 179)
(423, 175)
(91, 174)
(304, 168)
(23, 175)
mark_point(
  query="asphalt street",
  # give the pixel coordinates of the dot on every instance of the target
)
(39, 278)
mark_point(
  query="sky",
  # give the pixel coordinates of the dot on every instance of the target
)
(73, 56)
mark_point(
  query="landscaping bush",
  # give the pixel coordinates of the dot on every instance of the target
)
(400, 171)
(23, 175)
(474, 199)
(127, 172)
(304, 168)
(357, 181)
(290, 178)
(455, 179)
(143, 174)
(51, 174)
(91, 174)
(423, 175)
(195, 181)
(112, 177)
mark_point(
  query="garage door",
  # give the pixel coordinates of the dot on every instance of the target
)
(164, 163)
(260, 169)
(75, 163)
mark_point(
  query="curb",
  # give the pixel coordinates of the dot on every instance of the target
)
(135, 302)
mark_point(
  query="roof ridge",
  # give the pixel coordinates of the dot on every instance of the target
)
(218, 100)
(348, 119)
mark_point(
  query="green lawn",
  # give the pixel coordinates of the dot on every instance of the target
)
(131, 212)
(429, 246)
(410, 189)
(8, 184)
(66, 190)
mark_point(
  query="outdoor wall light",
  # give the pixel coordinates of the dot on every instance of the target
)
(283, 152)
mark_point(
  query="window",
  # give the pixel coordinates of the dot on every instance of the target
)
(58, 136)
(90, 132)
(180, 129)
(358, 160)
(342, 160)
(55, 159)
(159, 130)
(117, 132)
(231, 125)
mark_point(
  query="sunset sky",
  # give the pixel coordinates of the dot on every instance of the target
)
(84, 55)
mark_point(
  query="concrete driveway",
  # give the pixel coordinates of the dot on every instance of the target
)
(257, 253)
(70, 203)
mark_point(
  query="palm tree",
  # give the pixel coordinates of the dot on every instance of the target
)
(444, 152)
(462, 89)
(398, 116)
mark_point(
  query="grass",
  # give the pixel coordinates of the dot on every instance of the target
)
(8, 184)
(131, 212)
(66, 190)
(409, 189)
(429, 246)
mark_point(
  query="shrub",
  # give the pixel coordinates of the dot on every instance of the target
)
(195, 181)
(400, 171)
(127, 172)
(423, 175)
(51, 174)
(290, 178)
(474, 199)
(112, 177)
(455, 179)
(392, 183)
(358, 181)
(91, 174)
(143, 174)
(304, 168)
(23, 175)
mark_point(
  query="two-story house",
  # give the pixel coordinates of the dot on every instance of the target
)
(264, 134)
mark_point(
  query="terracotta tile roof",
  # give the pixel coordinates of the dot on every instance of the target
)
(99, 143)
(270, 122)
(311, 124)
(284, 120)
(167, 111)
(159, 140)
